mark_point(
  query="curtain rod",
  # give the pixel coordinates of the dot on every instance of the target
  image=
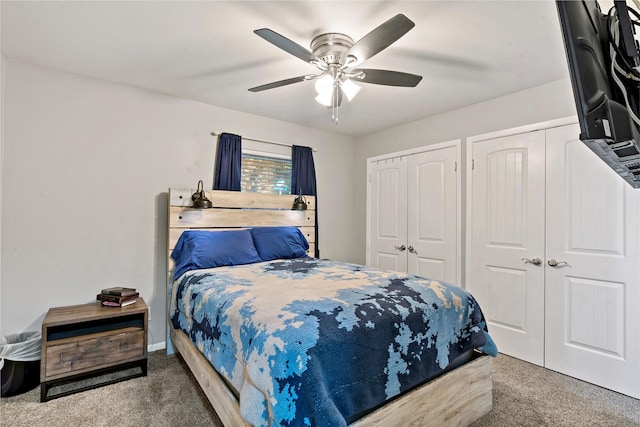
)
(214, 133)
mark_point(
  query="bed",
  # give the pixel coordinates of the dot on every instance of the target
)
(303, 341)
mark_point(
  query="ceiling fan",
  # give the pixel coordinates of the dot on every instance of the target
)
(336, 55)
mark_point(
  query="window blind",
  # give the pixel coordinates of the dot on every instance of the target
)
(265, 174)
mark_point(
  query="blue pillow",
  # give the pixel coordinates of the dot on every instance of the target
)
(279, 242)
(197, 249)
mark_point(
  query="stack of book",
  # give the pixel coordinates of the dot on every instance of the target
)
(118, 296)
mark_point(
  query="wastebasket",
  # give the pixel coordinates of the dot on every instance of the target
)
(20, 362)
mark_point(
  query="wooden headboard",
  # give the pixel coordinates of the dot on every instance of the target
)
(233, 209)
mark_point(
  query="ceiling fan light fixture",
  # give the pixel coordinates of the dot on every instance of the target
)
(324, 87)
(324, 84)
(350, 89)
(324, 99)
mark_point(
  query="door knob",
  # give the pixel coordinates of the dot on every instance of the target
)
(535, 261)
(412, 250)
(553, 263)
(400, 248)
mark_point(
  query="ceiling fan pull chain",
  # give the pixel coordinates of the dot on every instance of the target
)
(336, 88)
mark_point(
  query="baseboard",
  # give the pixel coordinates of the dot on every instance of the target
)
(157, 346)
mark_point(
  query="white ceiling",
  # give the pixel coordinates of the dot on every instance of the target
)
(466, 51)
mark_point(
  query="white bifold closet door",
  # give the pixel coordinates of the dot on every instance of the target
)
(592, 300)
(555, 256)
(507, 229)
(414, 215)
(387, 213)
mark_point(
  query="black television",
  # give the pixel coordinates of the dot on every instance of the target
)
(604, 62)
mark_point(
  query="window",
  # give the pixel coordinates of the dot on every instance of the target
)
(265, 173)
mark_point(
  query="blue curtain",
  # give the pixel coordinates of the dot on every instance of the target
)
(303, 177)
(228, 162)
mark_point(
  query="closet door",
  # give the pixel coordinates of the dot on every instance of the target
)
(433, 215)
(388, 214)
(507, 229)
(593, 292)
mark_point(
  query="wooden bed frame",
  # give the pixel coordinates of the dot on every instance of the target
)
(458, 397)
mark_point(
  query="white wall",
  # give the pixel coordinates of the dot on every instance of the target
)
(87, 165)
(550, 101)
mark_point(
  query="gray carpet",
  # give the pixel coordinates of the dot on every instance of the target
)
(523, 395)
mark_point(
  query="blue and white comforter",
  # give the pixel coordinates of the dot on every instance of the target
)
(317, 342)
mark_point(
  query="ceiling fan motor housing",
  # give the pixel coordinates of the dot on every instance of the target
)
(331, 47)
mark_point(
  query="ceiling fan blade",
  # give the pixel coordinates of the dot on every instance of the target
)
(280, 83)
(387, 78)
(380, 38)
(287, 45)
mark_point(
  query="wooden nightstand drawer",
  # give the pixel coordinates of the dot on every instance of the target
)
(80, 355)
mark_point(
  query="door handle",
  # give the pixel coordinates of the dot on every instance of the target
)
(535, 261)
(553, 263)
(412, 250)
(400, 248)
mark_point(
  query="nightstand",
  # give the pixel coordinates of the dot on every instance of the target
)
(83, 341)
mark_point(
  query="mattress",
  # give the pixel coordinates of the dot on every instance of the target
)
(318, 342)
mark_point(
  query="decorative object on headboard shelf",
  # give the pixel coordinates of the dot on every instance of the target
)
(199, 198)
(300, 203)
